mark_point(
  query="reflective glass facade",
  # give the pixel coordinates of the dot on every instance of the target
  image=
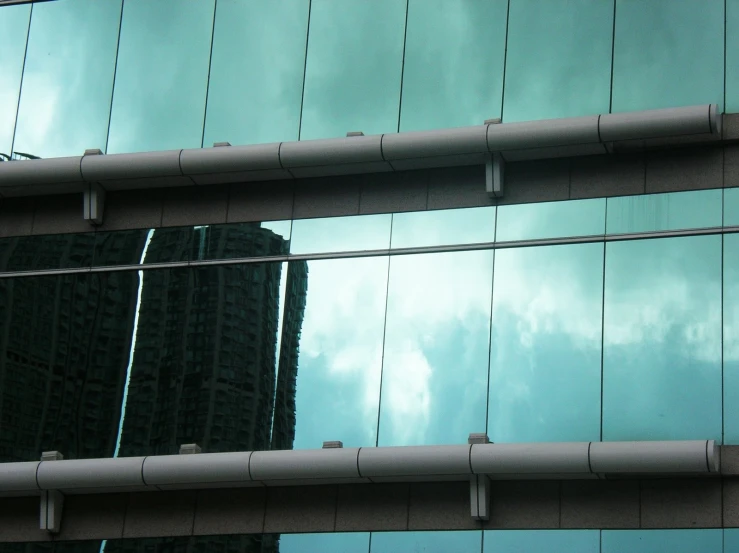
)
(583, 320)
(132, 75)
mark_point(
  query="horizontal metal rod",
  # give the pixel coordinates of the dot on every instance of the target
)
(539, 242)
(573, 460)
(528, 140)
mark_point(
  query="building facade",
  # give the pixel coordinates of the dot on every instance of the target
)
(594, 298)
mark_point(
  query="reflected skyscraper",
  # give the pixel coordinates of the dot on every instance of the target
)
(65, 341)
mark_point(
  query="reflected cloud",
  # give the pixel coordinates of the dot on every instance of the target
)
(14, 22)
(453, 65)
(665, 56)
(353, 71)
(161, 76)
(558, 61)
(256, 74)
(68, 77)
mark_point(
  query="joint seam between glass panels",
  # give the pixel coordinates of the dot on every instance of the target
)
(207, 82)
(593, 239)
(305, 68)
(20, 86)
(112, 86)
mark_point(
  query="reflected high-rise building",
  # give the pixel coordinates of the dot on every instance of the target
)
(65, 343)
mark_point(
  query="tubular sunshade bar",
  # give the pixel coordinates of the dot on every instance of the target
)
(357, 154)
(575, 460)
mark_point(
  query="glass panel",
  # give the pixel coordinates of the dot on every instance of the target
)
(668, 54)
(341, 234)
(354, 66)
(731, 539)
(551, 220)
(65, 342)
(559, 59)
(13, 32)
(241, 240)
(467, 541)
(673, 211)
(731, 207)
(333, 356)
(731, 339)
(256, 74)
(453, 70)
(131, 247)
(68, 78)
(54, 251)
(662, 339)
(732, 56)
(545, 374)
(203, 369)
(649, 541)
(325, 543)
(161, 76)
(439, 228)
(435, 367)
(551, 541)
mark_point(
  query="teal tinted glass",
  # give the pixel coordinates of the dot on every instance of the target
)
(13, 32)
(662, 339)
(355, 542)
(340, 234)
(68, 78)
(731, 339)
(551, 220)
(552, 541)
(332, 355)
(672, 211)
(559, 59)
(668, 54)
(161, 76)
(731, 539)
(674, 541)
(732, 56)
(453, 70)
(435, 368)
(469, 541)
(444, 227)
(545, 365)
(353, 70)
(256, 74)
(731, 207)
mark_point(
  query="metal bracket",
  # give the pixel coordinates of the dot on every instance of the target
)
(94, 196)
(336, 444)
(190, 449)
(480, 497)
(52, 501)
(94, 203)
(494, 175)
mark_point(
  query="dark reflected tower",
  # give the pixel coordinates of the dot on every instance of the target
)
(64, 346)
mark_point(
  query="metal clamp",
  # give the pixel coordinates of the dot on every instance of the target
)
(52, 501)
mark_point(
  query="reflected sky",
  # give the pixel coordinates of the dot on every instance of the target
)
(551, 541)
(732, 56)
(447, 226)
(545, 361)
(668, 54)
(357, 542)
(353, 71)
(68, 78)
(731, 207)
(256, 75)
(453, 69)
(468, 541)
(162, 76)
(662, 339)
(671, 211)
(338, 381)
(731, 339)
(674, 541)
(434, 375)
(559, 59)
(13, 31)
(551, 220)
(341, 234)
